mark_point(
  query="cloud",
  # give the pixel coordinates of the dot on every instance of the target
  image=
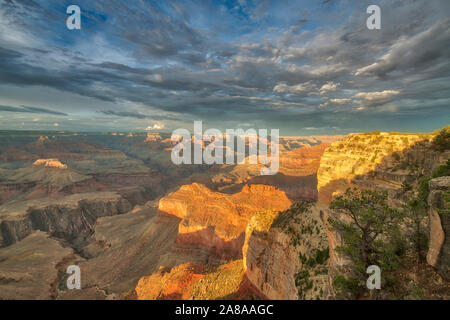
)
(377, 97)
(299, 88)
(339, 102)
(426, 49)
(270, 63)
(137, 115)
(156, 126)
(329, 86)
(27, 109)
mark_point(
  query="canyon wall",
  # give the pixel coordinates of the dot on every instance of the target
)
(217, 221)
(285, 254)
(281, 261)
(376, 160)
(438, 200)
(395, 163)
(71, 218)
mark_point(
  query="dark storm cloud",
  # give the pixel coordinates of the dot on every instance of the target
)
(27, 109)
(427, 52)
(137, 115)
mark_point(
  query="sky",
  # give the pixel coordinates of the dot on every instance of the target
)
(305, 67)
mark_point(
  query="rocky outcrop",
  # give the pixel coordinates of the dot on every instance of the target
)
(192, 282)
(153, 137)
(126, 247)
(217, 220)
(51, 163)
(71, 218)
(286, 255)
(29, 268)
(301, 161)
(391, 162)
(47, 172)
(439, 248)
(363, 158)
(229, 214)
(11, 191)
(12, 231)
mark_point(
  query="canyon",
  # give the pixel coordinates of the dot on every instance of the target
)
(140, 227)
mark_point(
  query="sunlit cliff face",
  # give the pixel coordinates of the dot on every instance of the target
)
(359, 154)
(50, 163)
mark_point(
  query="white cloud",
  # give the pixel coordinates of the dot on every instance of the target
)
(329, 86)
(335, 102)
(377, 96)
(299, 88)
(156, 126)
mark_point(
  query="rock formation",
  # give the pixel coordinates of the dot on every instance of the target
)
(288, 262)
(439, 247)
(390, 162)
(362, 153)
(29, 268)
(286, 254)
(71, 218)
(192, 282)
(52, 163)
(217, 220)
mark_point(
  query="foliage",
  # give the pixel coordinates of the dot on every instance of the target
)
(302, 282)
(442, 140)
(415, 293)
(417, 210)
(370, 234)
(322, 256)
(283, 219)
(441, 171)
(345, 287)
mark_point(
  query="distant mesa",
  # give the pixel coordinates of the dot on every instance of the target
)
(153, 137)
(52, 163)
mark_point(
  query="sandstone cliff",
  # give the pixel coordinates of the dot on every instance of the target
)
(382, 159)
(52, 163)
(71, 218)
(286, 254)
(285, 260)
(192, 282)
(439, 250)
(218, 220)
(392, 162)
(211, 232)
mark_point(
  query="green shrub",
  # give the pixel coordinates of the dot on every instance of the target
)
(442, 140)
